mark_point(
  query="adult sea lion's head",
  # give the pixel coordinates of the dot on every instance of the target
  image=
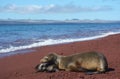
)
(50, 58)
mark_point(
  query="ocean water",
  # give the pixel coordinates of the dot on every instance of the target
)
(17, 37)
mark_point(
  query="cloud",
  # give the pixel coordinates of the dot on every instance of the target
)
(20, 9)
(12, 8)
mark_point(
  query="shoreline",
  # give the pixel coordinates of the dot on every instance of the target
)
(21, 66)
(50, 42)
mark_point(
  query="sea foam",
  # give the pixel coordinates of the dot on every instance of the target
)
(52, 42)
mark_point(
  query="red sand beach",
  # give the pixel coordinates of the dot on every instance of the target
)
(21, 66)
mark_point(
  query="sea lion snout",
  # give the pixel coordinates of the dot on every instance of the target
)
(44, 60)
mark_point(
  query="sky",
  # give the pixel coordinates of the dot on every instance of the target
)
(60, 9)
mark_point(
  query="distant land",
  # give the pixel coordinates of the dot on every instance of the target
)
(44, 21)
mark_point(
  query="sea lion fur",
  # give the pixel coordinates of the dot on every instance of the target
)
(88, 61)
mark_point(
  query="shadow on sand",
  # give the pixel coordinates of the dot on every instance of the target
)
(110, 69)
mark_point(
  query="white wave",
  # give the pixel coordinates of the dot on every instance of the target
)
(51, 42)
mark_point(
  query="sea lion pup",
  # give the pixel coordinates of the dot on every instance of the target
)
(46, 67)
(88, 61)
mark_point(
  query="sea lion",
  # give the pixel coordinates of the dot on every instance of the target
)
(87, 61)
(46, 67)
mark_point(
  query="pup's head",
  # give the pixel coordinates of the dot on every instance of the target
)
(49, 58)
(41, 67)
(45, 67)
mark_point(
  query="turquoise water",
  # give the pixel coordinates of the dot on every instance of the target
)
(16, 37)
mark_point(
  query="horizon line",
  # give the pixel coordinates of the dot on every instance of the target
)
(75, 19)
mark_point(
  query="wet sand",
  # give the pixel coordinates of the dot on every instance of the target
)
(21, 66)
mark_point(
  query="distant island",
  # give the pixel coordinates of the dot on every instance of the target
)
(44, 21)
